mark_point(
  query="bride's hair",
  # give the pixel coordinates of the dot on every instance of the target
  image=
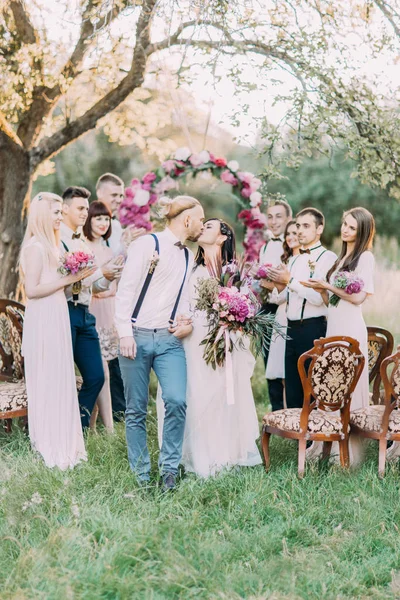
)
(228, 248)
(170, 208)
(40, 225)
(364, 239)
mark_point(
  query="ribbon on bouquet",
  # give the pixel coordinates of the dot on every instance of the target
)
(230, 396)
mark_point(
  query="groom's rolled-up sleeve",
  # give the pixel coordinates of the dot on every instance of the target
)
(133, 275)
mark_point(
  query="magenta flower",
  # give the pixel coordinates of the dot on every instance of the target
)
(149, 178)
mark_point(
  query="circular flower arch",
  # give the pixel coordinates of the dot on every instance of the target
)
(142, 194)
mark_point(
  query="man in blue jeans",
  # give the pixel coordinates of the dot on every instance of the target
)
(151, 293)
(85, 341)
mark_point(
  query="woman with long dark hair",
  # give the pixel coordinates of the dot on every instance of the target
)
(218, 435)
(97, 231)
(345, 317)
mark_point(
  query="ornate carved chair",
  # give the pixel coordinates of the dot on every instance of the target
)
(328, 383)
(13, 399)
(382, 422)
(380, 345)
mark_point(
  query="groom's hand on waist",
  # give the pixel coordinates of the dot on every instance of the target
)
(127, 347)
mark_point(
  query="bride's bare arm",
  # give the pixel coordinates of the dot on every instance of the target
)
(33, 265)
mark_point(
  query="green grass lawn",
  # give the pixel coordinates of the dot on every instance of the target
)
(91, 533)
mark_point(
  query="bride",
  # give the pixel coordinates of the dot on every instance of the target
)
(218, 435)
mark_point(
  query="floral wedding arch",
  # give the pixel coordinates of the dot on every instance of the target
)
(142, 194)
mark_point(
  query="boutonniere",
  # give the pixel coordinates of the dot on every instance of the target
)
(312, 265)
(154, 261)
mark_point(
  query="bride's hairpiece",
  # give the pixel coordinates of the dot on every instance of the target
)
(164, 206)
(40, 197)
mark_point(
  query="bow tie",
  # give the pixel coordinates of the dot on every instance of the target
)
(76, 236)
(180, 245)
(307, 251)
(275, 239)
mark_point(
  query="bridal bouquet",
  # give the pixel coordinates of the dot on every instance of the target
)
(347, 281)
(233, 312)
(72, 263)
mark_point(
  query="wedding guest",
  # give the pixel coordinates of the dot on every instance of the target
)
(110, 190)
(306, 311)
(278, 215)
(151, 294)
(85, 340)
(276, 359)
(53, 417)
(97, 230)
(218, 435)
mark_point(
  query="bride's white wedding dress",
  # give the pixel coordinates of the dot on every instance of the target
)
(218, 435)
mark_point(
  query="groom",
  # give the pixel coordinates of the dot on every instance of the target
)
(151, 293)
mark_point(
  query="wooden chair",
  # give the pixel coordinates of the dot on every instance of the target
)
(328, 383)
(380, 346)
(382, 422)
(13, 398)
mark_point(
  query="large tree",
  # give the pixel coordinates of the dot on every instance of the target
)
(52, 90)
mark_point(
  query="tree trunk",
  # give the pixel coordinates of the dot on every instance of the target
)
(15, 185)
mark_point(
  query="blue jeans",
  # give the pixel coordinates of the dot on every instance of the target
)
(160, 350)
(87, 357)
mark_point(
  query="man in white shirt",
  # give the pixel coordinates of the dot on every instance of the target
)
(151, 294)
(306, 310)
(278, 215)
(85, 341)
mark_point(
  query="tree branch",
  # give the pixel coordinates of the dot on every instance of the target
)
(7, 131)
(134, 79)
(23, 25)
(44, 97)
(389, 14)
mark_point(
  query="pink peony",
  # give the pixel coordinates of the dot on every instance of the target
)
(149, 178)
(246, 192)
(228, 177)
(169, 165)
(196, 160)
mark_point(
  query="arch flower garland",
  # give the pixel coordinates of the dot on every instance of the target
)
(142, 194)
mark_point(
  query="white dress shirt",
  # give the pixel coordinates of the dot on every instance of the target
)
(163, 290)
(96, 282)
(308, 266)
(272, 251)
(114, 241)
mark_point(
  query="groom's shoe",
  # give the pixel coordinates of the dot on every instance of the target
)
(167, 483)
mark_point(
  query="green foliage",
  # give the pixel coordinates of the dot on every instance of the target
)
(328, 185)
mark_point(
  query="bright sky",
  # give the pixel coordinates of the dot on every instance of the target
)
(220, 97)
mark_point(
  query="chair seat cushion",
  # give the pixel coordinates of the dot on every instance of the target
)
(288, 419)
(370, 419)
(13, 395)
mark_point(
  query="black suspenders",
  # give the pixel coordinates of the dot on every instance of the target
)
(147, 281)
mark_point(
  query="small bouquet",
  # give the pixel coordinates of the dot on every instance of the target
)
(261, 273)
(233, 311)
(347, 281)
(71, 264)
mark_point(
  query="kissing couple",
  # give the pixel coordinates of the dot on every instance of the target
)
(159, 329)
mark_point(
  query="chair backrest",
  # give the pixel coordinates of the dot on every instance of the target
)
(380, 346)
(11, 325)
(332, 375)
(390, 373)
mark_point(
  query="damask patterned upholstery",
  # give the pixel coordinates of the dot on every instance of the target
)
(13, 396)
(318, 421)
(370, 419)
(332, 375)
